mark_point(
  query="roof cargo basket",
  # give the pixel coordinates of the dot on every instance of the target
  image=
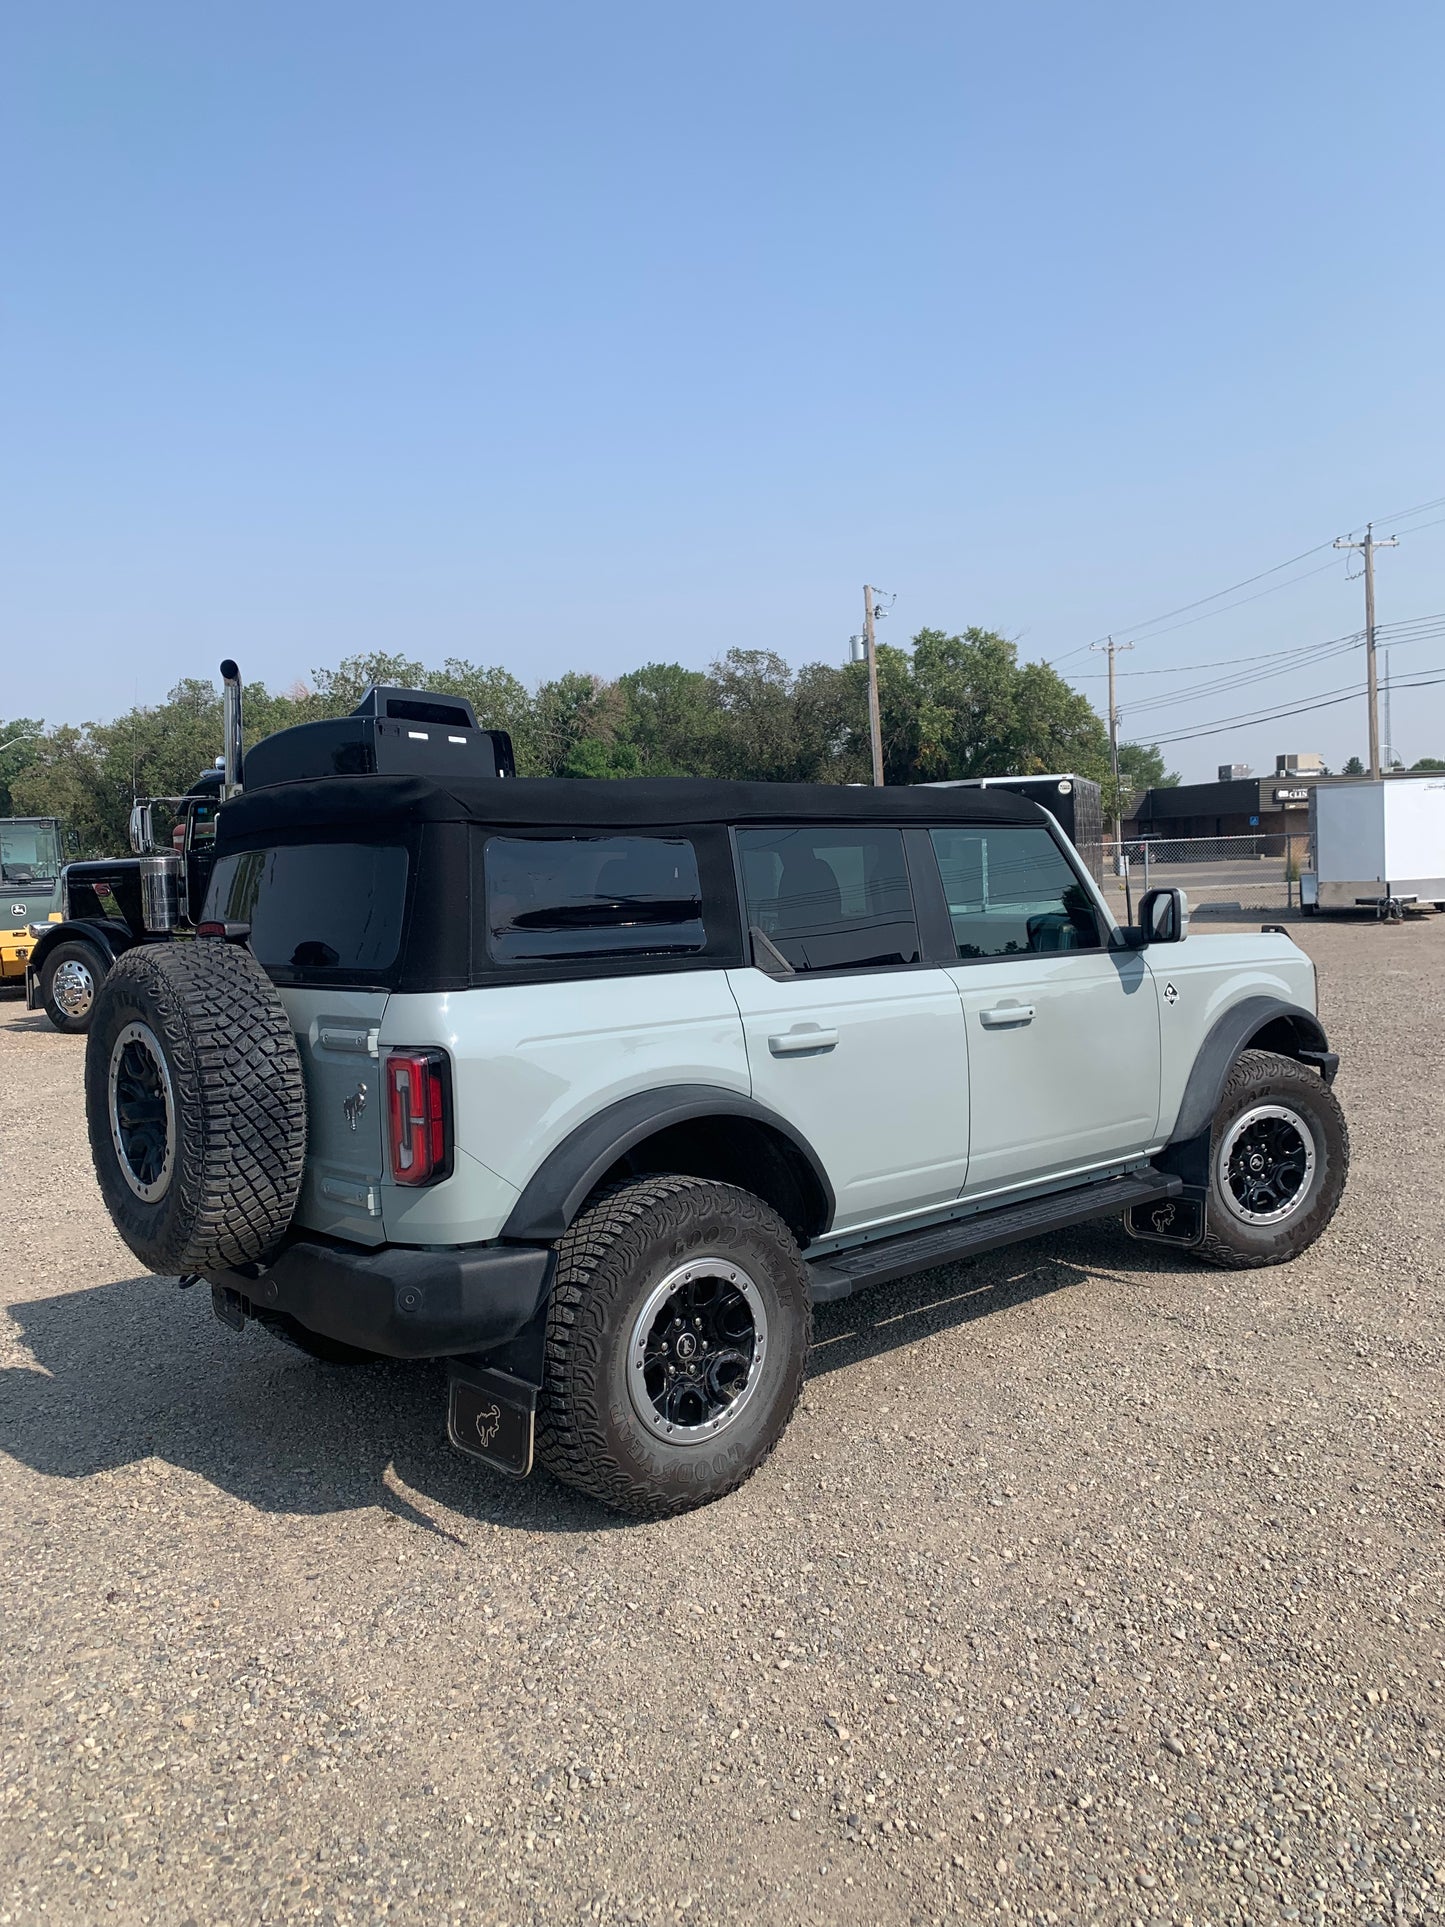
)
(416, 706)
(391, 732)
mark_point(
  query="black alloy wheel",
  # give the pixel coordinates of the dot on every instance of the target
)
(142, 1111)
(1267, 1160)
(697, 1346)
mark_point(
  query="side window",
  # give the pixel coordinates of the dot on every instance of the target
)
(830, 899)
(578, 897)
(1010, 891)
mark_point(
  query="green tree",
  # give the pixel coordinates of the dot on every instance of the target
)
(774, 724)
(335, 692)
(498, 698)
(567, 712)
(1428, 763)
(981, 714)
(21, 741)
(956, 705)
(1353, 768)
(669, 719)
(1141, 767)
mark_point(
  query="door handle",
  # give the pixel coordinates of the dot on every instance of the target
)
(1004, 1016)
(802, 1040)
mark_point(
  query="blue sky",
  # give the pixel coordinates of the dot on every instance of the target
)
(576, 336)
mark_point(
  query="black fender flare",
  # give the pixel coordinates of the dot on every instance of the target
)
(1294, 1031)
(104, 934)
(557, 1190)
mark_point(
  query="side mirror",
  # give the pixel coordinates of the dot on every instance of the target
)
(140, 830)
(1164, 915)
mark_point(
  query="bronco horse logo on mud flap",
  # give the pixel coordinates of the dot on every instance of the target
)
(488, 1423)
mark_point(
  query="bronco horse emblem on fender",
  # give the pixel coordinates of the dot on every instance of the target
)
(354, 1105)
(488, 1423)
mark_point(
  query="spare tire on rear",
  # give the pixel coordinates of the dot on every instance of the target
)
(196, 1105)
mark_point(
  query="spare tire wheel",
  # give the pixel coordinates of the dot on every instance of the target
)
(196, 1105)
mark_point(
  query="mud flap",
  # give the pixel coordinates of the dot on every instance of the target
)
(492, 1416)
(229, 1306)
(1169, 1221)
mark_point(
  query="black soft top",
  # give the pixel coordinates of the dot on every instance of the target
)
(372, 804)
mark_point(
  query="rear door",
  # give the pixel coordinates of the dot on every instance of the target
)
(1063, 1033)
(860, 1049)
(325, 918)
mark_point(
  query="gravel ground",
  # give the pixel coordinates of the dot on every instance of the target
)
(1086, 1586)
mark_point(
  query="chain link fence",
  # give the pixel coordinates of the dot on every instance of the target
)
(1223, 876)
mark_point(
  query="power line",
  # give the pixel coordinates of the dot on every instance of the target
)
(1419, 509)
(1136, 629)
(1419, 527)
(1221, 683)
(1429, 680)
(1295, 652)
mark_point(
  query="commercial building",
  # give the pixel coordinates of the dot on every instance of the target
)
(1243, 806)
(1237, 805)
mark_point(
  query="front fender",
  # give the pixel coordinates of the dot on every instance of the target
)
(1268, 1023)
(104, 934)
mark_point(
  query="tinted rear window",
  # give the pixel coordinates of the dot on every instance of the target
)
(592, 896)
(317, 906)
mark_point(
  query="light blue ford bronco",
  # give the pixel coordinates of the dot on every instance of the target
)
(595, 1089)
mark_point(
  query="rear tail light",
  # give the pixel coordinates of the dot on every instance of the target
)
(419, 1113)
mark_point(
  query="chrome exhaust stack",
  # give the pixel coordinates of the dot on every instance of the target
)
(231, 715)
(160, 893)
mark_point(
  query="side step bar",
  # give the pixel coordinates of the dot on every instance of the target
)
(845, 1272)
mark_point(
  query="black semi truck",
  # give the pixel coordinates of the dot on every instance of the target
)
(109, 905)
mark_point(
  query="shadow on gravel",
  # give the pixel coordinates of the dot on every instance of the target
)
(138, 1369)
(23, 1020)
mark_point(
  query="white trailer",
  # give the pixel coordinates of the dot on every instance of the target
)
(1378, 846)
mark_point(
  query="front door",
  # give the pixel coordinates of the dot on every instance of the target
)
(1063, 1033)
(861, 1049)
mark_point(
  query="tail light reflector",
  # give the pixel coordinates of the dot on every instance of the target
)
(419, 1113)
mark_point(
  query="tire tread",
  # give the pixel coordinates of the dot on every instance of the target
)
(240, 1105)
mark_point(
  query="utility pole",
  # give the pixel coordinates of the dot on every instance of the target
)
(1389, 743)
(1372, 682)
(1112, 649)
(875, 723)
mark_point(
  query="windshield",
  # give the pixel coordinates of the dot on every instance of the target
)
(29, 852)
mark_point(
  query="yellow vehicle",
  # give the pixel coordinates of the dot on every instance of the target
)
(29, 888)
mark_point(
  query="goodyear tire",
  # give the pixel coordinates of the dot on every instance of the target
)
(69, 979)
(195, 1105)
(677, 1338)
(1279, 1151)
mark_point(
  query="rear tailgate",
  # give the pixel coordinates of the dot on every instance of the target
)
(337, 1032)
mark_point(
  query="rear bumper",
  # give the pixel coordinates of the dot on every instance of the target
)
(399, 1300)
